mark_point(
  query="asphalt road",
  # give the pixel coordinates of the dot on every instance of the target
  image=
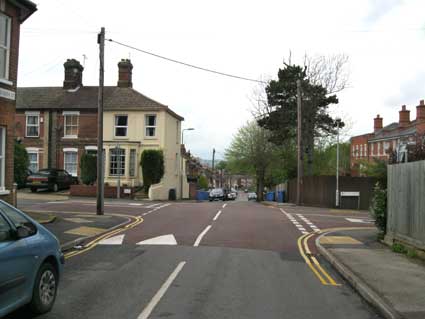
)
(211, 260)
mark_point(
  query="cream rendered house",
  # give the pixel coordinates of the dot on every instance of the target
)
(133, 123)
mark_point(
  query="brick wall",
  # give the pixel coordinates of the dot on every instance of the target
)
(7, 107)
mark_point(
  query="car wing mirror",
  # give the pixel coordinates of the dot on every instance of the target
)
(22, 232)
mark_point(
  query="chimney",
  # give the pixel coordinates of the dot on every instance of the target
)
(124, 74)
(73, 74)
(377, 123)
(420, 111)
(404, 119)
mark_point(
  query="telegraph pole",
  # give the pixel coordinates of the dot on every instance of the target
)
(299, 150)
(100, 155)
(213, 176)
(338, 121)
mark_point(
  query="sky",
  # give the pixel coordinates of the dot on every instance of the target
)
(384, 40)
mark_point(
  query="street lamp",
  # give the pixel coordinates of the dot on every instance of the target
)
(338, 122)
(181, 160)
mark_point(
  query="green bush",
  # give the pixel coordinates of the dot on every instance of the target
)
(399, 248)
(88, 167)
(21, 162)
(379, 207)
(152, 163)
(202, 182)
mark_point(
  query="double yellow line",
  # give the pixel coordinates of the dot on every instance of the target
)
(136, 221)
(312, 262)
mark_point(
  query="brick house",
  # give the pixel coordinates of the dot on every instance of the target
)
(59, 124)
(385, 139)
(12, 14)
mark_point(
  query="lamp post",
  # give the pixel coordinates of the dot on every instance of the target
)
(181, 160)
(338, 122)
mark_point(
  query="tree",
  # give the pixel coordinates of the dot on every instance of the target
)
(152, 163)
(325, 159)
(21, 163)
(203, 182)
(376, 168)
(252, 153)
(88, 167)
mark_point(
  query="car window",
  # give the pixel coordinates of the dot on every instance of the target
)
(18, 219)
(5, 234)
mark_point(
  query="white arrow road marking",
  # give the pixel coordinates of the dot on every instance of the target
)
(357, 220)
(160, 240)
(116, 240)
(161, 292)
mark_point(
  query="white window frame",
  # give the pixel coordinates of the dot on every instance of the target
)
(5, 78)
(65, 116)
(70, 150)
(120, 126)
(123, 158)
(27, 114)
(34, 150)
(2, 158)
(132, 166)
(151, 126)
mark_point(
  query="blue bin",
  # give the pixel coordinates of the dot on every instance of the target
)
(202, 195)
(281, 196)
(270, 196)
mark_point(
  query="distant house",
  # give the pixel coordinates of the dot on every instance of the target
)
(385, 139)
(12, 14)
(59, 124)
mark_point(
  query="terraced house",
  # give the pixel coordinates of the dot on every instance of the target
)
(12, 14)
(58, 124)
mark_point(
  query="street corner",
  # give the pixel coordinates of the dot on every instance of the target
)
(74, 228)
(41, 217)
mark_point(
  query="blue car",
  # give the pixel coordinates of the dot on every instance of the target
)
(31, 263)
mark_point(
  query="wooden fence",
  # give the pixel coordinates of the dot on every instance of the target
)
(320, 191)
(406, 203)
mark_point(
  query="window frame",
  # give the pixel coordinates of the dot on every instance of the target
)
(27, 115)
(132, 163)
(67, 151)
(8, 34)
(67, 114)
(122, 161)
(151, 126)
(120, 126)
(33, 151)
(3, 132)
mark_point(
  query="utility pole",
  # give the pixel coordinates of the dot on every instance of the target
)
(299, 150)
(100, 155)
(213, 175)
(118, 158)
(338, 121)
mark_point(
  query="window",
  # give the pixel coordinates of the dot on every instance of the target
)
(372, 151)
(33, 161)
(17, 218)
(365, 150)
(2, 156)
(150, 125)
(379, 148)
(361, 150)
(121, 125)
(117, 162)
(70, 161)
(5, 230)
(71, 124)
(33, 125)
(132, 162)
(4, 46)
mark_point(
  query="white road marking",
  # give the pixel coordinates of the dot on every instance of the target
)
(160, 240)
(153, 205)
(116, 240)
(298, 225)
(357, 220)
(201, 235)
(216, 216)
(224, 205)
(135, 204)
(161, 292)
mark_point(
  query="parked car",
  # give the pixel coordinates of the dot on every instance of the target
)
(216, 194)
(232, 195)
(31, 263)
(51, 179)
(252, 196)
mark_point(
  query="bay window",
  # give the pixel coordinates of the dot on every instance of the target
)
(117, 162)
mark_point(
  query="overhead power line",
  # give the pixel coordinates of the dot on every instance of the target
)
(186, 64)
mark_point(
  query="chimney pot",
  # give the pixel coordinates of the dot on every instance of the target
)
(420, 111)
(73, 74)
(125, 73)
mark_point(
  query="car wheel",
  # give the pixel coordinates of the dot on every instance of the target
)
(55, 187)
(45, 289)
(33, 190)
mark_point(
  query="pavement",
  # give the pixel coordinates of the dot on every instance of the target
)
(204, 260)
(393, 283)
